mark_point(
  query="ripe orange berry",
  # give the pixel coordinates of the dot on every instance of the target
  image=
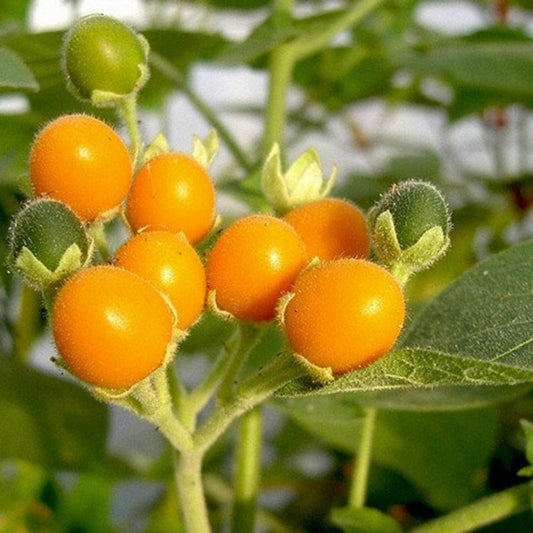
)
(169, 262)
(344, 314)
(331, 228)
(81, 161)
(254, 261)
(111, 327)
(172, 192)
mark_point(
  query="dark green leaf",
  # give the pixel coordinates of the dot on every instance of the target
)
(14, 74)
(49, 421)
(365, 520)
(441, 453)
(503, 66)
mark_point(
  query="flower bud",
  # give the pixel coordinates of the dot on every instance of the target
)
(104, 60)
(47, 242)
(410, 226)
(303, 182)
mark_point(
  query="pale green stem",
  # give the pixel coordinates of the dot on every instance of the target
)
(250, 393)
(246, 338)
(316, 41)
(172, 73)
(188, 475)
(128, 113)
(27, 323)
(359, 486)
(483, 512)
(97, 232)
(247, 475)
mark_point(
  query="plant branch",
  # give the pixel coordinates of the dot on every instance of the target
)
(358, 490)
(247, 473)
(483, 512)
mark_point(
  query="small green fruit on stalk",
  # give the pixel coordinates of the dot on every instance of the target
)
(104, 60)
(47, 243)
(410, 225)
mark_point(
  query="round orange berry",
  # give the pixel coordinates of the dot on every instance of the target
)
(82, 162)
(172, 192)
(344, 314)
(254, 261)
(111, 327)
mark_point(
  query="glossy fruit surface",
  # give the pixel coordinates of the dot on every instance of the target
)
(102, 53)
(254, 261)
(172, 192)
(331, 228)
(81, 161)
(169, 262)
(47, 228)
(344, 314)
(111, 327)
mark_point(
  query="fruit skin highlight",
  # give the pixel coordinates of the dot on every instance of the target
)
(344, 314)
(112, 328)
(252, 264)
(82, 162)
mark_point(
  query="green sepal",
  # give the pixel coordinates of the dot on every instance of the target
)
(317, 374)
(430, 247)
(302, 182)
(39, 276)
(205, 150)
(158, 146)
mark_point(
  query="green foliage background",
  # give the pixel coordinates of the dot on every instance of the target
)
(453, 391)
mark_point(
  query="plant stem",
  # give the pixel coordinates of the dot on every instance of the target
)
(167, 69)
(128, 112)
(97, 232)
(250, 393)
(358, 490)
(247, 473)
(483, 512)
(188, 473)
(27, 324)
(239, 347)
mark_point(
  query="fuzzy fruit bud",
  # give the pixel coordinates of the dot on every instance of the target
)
(410, 225)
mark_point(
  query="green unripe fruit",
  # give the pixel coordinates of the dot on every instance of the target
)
(47, 228)
(415, 206)
(101, 53)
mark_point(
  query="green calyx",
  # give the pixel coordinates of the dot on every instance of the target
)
(47, 242)
(104, 60)
(410, 226)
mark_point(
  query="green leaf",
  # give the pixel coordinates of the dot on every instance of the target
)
(503, 66)
(14, 73)
(365, 520)
(486, 315)
(441, 453)
(527, 428)
(50, 421)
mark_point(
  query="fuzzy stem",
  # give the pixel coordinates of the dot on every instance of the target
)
(27, 323)
(128, 112)
(245, 339)
(250, 393)
(188, 475)
(247, 473)
(364, 456)
(482, 512)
